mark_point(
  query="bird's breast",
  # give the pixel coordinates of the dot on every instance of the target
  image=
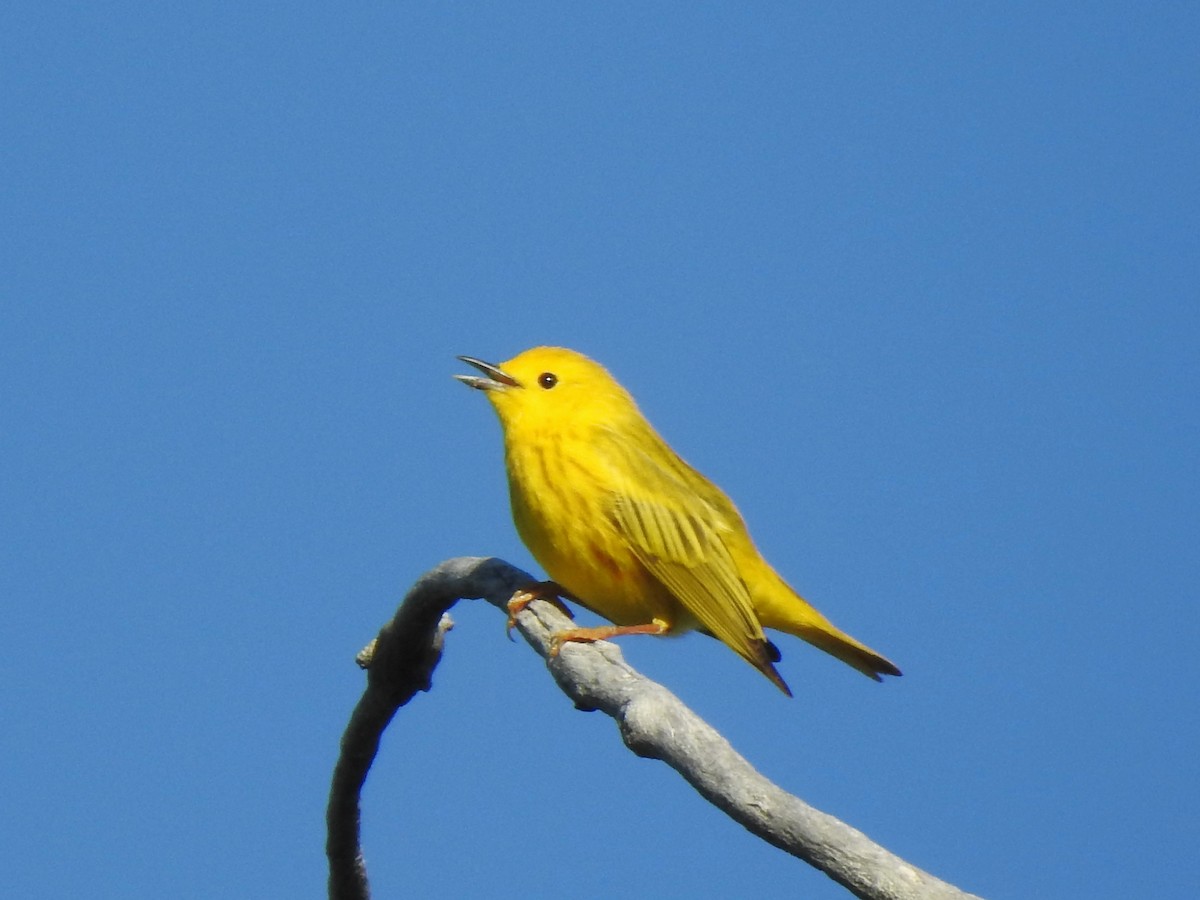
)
(560, 505)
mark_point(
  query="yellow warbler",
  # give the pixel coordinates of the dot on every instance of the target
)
(627, 528)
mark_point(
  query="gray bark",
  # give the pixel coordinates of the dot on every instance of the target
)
(653, 724)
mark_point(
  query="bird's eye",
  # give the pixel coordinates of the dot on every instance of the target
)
(547, 380)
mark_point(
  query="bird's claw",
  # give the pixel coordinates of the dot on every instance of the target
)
(516, 604)
(542, 590)
(555, 645)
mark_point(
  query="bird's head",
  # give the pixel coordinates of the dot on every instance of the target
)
(550, 389)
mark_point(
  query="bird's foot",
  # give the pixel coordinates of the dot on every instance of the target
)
(550, 591)
(603, 633)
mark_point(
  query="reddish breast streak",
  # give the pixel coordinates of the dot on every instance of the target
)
(607, 563)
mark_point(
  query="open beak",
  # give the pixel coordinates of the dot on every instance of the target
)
(497, 379)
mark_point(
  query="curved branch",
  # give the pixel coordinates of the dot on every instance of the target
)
(653, 723)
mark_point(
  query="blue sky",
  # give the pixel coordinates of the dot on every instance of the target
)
(916, 284)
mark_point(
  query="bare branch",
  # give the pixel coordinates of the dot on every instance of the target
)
(653, 723)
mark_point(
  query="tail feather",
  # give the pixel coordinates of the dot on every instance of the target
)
(781, 608)
(850, 651)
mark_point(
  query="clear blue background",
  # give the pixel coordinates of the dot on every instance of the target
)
(915, 283)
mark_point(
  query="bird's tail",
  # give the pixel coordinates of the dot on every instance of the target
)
(781, 608)
(848, 650)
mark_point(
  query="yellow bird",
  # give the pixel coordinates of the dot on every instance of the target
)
(630, 530)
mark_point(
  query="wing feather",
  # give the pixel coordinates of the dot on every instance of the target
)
(677, 535)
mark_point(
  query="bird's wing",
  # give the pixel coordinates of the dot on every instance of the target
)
(677, 536)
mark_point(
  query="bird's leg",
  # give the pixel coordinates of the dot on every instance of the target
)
(550, 591)
(602, 633)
